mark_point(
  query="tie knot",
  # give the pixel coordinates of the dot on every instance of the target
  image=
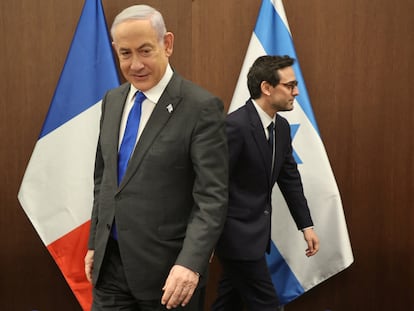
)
(270, 129)
(139, 97)
(271, 126)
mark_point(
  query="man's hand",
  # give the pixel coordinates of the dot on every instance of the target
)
(312, 240)
(89, 264)
(179, 287)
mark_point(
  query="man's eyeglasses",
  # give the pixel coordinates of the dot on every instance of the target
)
(290, 85)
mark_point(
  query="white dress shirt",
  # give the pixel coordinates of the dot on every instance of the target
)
(265, 118)
(152, 96)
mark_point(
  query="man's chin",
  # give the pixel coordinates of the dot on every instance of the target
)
(289, 107)
(140, 84)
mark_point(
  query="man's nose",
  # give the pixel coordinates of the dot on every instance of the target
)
(295, 91)
(137, 63)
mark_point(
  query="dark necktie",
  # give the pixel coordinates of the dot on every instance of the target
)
(128, 143)
(271, 141)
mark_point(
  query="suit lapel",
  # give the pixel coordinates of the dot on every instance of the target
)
(114, 109)
(260, 138)
(164, 109)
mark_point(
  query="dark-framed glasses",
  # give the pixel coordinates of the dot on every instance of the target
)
(290, 85)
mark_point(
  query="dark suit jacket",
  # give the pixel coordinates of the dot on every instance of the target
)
(170, 206)
(246, 235)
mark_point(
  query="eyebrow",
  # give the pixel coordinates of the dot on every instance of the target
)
(142, 46)
(145, 45)
(290, 82)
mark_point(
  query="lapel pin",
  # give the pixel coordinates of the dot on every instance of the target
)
(170, 108)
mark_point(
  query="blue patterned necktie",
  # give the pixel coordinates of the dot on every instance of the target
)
(130, 135)
(128, 143)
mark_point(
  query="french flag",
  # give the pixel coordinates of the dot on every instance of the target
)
(292, 272)
(57, 188)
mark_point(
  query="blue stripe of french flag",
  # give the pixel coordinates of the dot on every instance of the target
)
(292, 272)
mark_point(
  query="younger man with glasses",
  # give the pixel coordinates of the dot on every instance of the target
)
(260, 154)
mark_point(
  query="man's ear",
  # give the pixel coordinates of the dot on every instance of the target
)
(114, 47)
(169, 43)
(265, 87)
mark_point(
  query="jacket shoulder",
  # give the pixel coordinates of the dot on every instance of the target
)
(189, 89)
(282, 121)
(122, 89)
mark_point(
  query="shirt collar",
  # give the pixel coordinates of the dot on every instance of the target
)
(264, 117)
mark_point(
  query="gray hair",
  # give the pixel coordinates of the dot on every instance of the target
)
(141, 12)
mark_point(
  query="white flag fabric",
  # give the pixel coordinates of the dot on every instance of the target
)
(292, 272)
(57, 188)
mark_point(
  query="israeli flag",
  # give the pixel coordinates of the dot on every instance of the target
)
(292, 272)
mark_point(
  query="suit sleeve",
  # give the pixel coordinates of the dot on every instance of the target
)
(209, 156)
(99, 166)
(290, 184)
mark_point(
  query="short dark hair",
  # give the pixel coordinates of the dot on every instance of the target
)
(265, 68)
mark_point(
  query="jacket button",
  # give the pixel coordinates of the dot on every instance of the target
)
(266, 212)
(108, 226)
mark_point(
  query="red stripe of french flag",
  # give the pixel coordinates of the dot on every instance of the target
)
(66, 251)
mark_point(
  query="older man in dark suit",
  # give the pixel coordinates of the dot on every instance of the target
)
(155, 225)
(260, 153)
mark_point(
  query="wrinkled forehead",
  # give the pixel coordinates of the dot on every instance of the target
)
(134, 31)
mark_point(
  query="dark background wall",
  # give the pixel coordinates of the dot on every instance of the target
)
(357, 60)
